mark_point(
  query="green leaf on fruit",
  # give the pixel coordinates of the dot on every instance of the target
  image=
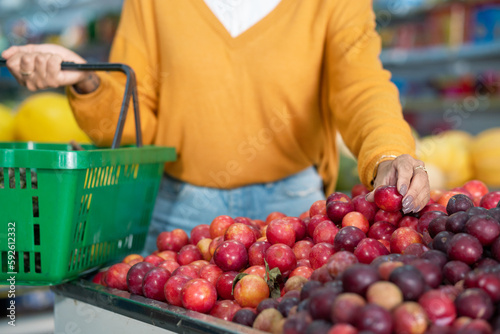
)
(273, 279)
(236, 280)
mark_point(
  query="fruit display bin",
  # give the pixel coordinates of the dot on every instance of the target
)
(93, 308)
(64, 211)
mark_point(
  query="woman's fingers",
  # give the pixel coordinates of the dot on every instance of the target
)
(40, 78)
(404, 168)
(53, 71)
(419, 192)
(39, 66)
(409, 176)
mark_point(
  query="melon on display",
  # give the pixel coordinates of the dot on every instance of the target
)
(485, 150)
(47, 117)
(6, 124)
(450, 152)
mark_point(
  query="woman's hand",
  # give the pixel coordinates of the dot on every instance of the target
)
(39, 67)
(410, 178)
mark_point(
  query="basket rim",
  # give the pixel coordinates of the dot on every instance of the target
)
(60, 156)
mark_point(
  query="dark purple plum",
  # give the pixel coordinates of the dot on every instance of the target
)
(455, 271)
(472, 277)
(303, 305)
(297, 323)
(495, 213)
(308, 288)
(458, 203)
(336, 210)
(426, 218)
(320, 304)
(456, 222)
(409, 280)
(474, 303)
(464, 247)
(430, 271)
(374, 318)
(485, 228)
(244, 317)
(437, 225)
(435, 256)
(267, 303)
(321, 274)
(335, 286)
(441, 241)
(358, 278)
(286, 305)
(348, 238)
(486, 262)
(135, 276)
(318, 327)
(477, 210)
(495, 249)
(345, 307)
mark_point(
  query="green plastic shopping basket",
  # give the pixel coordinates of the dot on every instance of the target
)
(64, 212)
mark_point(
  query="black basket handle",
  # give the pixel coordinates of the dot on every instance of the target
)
(130, 90)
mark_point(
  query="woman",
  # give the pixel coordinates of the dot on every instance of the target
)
(251, 94)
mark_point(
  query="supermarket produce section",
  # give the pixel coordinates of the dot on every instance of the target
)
(89, 307)
(75, 216)
(344, 266)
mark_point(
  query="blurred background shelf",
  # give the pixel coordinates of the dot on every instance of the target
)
(432, 104)
(443, 55)
(440, 54)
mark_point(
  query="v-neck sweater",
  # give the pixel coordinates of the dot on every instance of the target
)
(258, 107)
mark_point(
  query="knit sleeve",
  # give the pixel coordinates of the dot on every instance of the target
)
(364, 103)
(134, 45)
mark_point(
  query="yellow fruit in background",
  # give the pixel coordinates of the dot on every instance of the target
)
(485, 150)
(450, 152)
(6, 124)
(47, 117)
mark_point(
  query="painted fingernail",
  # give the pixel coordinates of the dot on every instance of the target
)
(407, 201)
(408, 209)
(403, 189)
(417, 209)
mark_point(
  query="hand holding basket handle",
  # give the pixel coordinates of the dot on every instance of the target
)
(130, 91)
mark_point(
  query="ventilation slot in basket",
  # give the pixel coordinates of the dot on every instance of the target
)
(36, 234)
(26, 260)
(22, 177)
(85, 204)
(80, 232)
(12, 178)
(38, 262)
(34, 179)
(36, 212)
